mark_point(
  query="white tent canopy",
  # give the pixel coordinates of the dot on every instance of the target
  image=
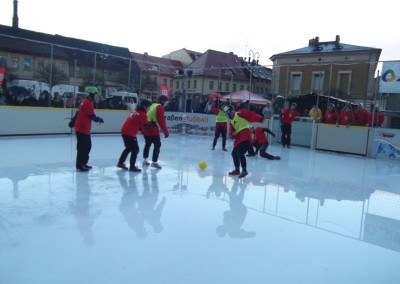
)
(245, 95)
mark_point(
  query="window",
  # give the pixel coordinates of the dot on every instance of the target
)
(189, 83)
(165, 82)
(317, 82)
(3, 60)
(344, 83)
(219, 86)
(194, 84)
(171, 84)
(40, 65)
(241, 87)
(295, 83)
(63, 67)
(226, 87)
(15, 63)
(177, 84)
(211, 85)
(78, 71)
(27, 63)
(234, 87)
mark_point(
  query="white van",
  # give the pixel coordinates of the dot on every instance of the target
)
(130, 98)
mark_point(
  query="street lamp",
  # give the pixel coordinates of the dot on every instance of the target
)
(252, 62)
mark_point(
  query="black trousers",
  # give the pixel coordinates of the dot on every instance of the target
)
(156, 140)
(131, 147)
(286, 130)
(83, 147)
(238, 155)
(263, 150)
(220, 131)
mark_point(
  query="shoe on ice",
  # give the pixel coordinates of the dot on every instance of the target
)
(155, 165)
(122, 166)
(224, 149)
(82, 169)
(146, 163)
(277, 158)
(134, 169)
(87, 167)
(234, 173)
(243, 174)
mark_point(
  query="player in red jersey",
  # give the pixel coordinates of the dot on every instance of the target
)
(239, 130)
(286, 118)
(135, 121)
(83, 125)
(260, 143)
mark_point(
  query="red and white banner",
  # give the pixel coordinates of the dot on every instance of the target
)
(2, 74)
(164, 90)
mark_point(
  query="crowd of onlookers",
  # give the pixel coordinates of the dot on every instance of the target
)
(345, 114)
(69, 100)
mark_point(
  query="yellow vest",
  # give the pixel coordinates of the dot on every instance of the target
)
(151, 113)
(221, 116)
(239, 123)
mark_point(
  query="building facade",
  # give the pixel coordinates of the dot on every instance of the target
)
(329, 68)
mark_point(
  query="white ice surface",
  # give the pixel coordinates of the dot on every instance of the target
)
(300, 220)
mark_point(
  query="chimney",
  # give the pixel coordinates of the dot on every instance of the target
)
(313, 41)
(15, 16)
(337, 40)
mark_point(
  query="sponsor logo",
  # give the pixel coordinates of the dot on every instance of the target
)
(386, 134)
(190, 118)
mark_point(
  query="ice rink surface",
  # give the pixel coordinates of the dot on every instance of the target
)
(312, 217)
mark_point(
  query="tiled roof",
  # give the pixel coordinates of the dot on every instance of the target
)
(211, 62)
(14, 35)
(327, 47)
(152, 63)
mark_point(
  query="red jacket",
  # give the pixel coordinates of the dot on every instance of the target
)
(83, 123)
(360, 117)
(245, 134)
(331, 117)
(161, 123)
(215, 111)
(378, 119)
(259, 135)
(346, 118)
(288, 115)
(134, 122)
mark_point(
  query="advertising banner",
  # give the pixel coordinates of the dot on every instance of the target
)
(164, 90)
(390, 78)
(2, 74)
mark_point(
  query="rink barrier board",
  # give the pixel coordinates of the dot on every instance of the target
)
(373, 142)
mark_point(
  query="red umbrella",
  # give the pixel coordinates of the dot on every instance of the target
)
(215, 96)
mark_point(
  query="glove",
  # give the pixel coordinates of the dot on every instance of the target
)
(98, 119)
(166, 135)
(71, 124)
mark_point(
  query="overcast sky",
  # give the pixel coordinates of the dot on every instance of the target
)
(267, 27)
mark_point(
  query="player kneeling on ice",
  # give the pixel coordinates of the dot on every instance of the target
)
(239, 130)
(260, 143)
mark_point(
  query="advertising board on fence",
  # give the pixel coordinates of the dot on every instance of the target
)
(386, 143)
